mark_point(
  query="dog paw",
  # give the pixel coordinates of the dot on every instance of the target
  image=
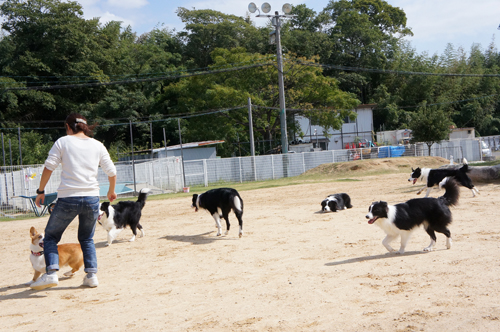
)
(108, 244)
(69, 274)
(428, 249)
(218, 234)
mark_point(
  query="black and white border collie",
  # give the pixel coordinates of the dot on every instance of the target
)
(336, 202)
(114, 218)
(403, 218)
(219, 202)
(433, 177)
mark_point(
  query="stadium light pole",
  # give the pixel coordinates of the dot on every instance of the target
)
(275, 38)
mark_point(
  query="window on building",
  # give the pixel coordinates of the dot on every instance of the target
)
(348, 120)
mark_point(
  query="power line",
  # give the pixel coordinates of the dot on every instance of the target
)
(134, 75)
(140, 80)
(209, 112)
(168, 118)
(388, 71)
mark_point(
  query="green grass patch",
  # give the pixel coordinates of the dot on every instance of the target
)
(486, 163)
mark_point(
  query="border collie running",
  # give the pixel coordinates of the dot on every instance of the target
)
(219, 202)
(336, 202)
(434, 176)
(403, 218)
(114, 218)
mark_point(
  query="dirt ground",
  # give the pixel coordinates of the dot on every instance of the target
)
(293, 270)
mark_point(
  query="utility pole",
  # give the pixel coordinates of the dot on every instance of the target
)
(281, 84)
(275, 38)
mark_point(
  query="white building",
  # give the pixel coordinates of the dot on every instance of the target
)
(190, 151)
(462, 133)
(351, 131)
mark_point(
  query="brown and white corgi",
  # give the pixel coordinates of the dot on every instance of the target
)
(69, 254)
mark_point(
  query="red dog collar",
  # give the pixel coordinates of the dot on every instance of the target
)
(40, 253)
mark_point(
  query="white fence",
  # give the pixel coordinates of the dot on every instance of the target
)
(160, 175)
(164, 175)
(269, 167)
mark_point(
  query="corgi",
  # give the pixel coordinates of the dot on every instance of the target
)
(69, 254)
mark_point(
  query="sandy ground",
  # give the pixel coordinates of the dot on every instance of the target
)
(293, 270)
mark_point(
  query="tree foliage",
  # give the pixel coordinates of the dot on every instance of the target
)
(49, 42)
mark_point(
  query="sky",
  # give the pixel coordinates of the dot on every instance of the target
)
(434, 23)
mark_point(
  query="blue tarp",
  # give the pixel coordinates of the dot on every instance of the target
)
(391, 151)
(120, 188)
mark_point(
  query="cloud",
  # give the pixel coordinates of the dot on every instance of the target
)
(127, 4)
(107, 17)
(432, 19)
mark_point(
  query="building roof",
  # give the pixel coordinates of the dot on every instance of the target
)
(189, 145)
(177, 147)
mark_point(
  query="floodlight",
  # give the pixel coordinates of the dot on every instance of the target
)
(266, 8)
(252, 7)
(287, 8)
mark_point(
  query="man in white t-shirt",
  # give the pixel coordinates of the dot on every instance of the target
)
(77, 195)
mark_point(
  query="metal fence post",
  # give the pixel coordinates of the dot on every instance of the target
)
(272, 164)
(239, 160)
(303, 163)
(132, 147)
(205, 172)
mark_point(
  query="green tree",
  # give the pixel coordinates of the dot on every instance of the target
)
(430, 125)
(51, 44)
(366, 34)
(305, 88)
(303, 35)
(34, 150)
(205, 30)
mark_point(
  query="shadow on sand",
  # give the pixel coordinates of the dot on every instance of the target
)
(198, 238)
(383, 256)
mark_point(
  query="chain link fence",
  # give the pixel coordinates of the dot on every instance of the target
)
(165, 175)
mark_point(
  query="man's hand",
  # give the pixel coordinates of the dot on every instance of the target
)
(111, 195)
(40, 198)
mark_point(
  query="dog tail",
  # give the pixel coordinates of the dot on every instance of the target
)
(237, 204)
(452, 192)
(143, 194)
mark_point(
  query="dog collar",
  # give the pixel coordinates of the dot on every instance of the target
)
(40, 253)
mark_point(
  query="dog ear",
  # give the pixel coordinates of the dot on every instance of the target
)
(32, 231)
(412, 169)
(385, 206)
